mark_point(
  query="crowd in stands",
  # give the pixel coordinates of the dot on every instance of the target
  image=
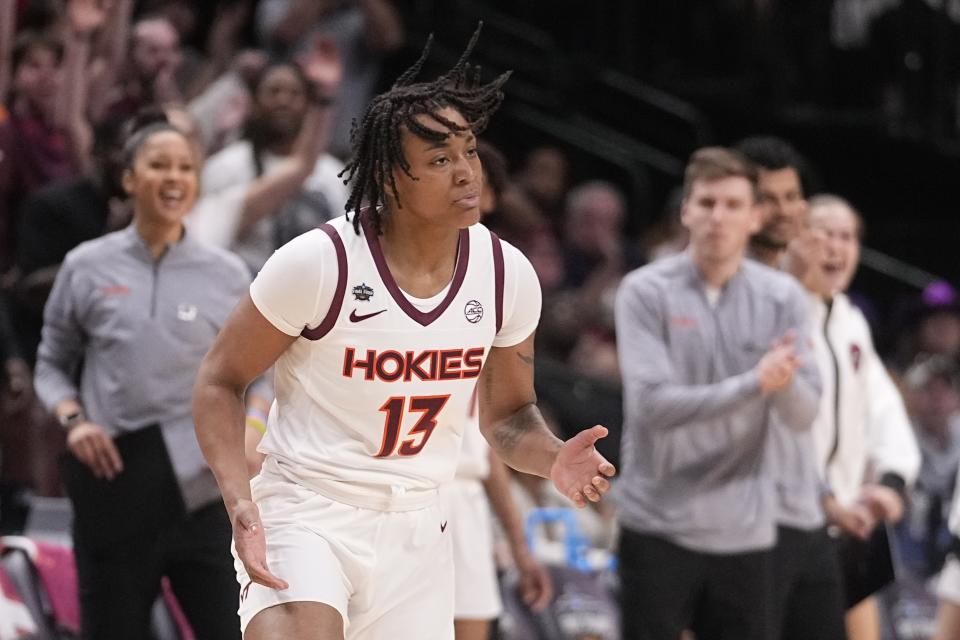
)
(265, 92)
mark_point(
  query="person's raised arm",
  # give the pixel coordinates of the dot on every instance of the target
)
(222, 44)
(85, 18)
(109, 56)
(297, 20)
(8, 19)
(265, 195)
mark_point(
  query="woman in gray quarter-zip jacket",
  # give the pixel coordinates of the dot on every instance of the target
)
(129, 319)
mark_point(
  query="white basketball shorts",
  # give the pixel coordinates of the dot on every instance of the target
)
(388, 573)
(476, 592)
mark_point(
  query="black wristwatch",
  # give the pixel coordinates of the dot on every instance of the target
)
(69, 420)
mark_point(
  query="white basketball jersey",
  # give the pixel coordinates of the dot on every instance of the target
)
(377, 389)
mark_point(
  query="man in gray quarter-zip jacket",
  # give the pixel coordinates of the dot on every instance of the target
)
(124, 335)
(809, 601)
(711, 348)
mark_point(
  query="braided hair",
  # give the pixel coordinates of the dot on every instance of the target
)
(376, 138)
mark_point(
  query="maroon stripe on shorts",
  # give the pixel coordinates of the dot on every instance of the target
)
(334, 311)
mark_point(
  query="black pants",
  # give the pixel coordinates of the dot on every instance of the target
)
(807, 586)
(119, 585)
(666, 588)
(130, 531)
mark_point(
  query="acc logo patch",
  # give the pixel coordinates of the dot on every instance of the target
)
(473, 311)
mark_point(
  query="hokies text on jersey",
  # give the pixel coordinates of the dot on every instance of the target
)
(431, 364)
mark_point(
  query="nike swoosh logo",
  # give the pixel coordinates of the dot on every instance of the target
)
(443, 527)
(355, 317)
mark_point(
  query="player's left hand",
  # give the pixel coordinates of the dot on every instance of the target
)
(580, 472)
(536, 586)
(251, 545)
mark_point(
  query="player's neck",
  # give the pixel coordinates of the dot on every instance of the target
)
(421, 258)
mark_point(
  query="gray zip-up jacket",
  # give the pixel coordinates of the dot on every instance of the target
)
(140, 328)
(695, 420)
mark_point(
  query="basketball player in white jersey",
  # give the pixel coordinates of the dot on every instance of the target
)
(379, 326)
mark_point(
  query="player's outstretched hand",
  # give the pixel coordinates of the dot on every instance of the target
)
(252, 545)
(580, 472)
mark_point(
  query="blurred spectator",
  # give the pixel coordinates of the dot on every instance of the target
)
(807, 575)
(862, 434)
(149, 74)
(544, 253)
(696, 501)
(221, 110)
(933, 401)
(34, 148)
(931, 326)
(595, 355)
(780, 195)
(18, 441)
(596, 254)
(199, 68)
(495, 179)
(279, 181)
(544, 177)
(595, 258)
(128, 315)
(52, 221)
(57, 218)
(948, 585)
(516, 219)
(16, 378)
(364, 31)
(938, 329)
(668, 235)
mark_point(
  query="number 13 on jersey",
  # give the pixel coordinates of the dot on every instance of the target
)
(396, 407)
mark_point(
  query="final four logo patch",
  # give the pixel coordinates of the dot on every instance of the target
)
(362, 292)
(473, 311)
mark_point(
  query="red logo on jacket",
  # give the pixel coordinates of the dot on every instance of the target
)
(856, 354)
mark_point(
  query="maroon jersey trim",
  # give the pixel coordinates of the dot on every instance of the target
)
(498, 277)
(424, 318)
(334, 311)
